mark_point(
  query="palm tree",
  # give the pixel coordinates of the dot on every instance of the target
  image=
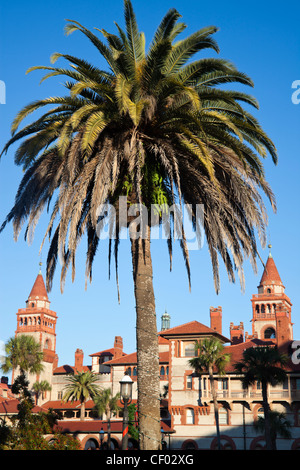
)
(108, 404)
(80, 387)
(211, 356)
(23, 352)
(279, 426)
(40, 387)
(155, 129)
(263, 364)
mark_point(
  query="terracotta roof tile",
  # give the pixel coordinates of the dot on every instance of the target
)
(107, 352)
(39, 289)
(132, 359)
(191, 328)
(270, 274)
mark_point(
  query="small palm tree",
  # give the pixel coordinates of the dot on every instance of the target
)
(23, 352)
(211, 355)
(279, 426)
(263, 364)
(40, 387)
(81, 386)
(108, 404)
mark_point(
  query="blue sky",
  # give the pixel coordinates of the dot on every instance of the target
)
(262, 40)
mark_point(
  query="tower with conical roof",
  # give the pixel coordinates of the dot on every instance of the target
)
(271, 319)
(39, 321)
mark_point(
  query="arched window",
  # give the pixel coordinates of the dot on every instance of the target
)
(189, 444)
(162, 370)
(91, 444)
(269, 291)
(257, 308)
(167, 370)
(190, 416)
(260, 413)
(129, 371)
(262, 308)
(134, 371)
(268, 308)
(269, 333)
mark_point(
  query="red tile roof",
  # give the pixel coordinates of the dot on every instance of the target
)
(132, 359)
(10, 406)
(236, 351)
(94, 426)
(192, 328)
(66, 369)
(38, 290)
(67, 405)
(270, 274)
(107, 352)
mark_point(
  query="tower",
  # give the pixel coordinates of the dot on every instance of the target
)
(165, 321)
(271, 307)
(37, 320)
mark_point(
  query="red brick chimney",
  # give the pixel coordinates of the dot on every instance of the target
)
(216, 319)
(118, 346)
(237, 333)
(78, 361)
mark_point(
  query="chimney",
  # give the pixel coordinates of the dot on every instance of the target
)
(237, 333)
(216, 319)
(118, 346)
(78, 361)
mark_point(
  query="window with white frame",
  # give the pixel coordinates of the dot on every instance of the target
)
(189, 349)
(190, 416)
(189, 382)
(223, 416)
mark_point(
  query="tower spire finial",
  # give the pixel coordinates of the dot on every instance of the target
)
(270, 254)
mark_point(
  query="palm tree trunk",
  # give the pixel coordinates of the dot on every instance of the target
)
(267, 416)
(147, 345)
(216, 410)
(82, 411)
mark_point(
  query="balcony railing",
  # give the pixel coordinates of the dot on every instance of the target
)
(253, 394)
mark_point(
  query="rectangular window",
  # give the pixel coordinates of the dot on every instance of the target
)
(223, 416)
(189, 349)
(223, 384)
(189, 382)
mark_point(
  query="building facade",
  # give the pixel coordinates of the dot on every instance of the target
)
(187, 414)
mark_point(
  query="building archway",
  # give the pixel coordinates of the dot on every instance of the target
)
(91, 444)
(226, 443)
(189, 444)
(259, 443)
